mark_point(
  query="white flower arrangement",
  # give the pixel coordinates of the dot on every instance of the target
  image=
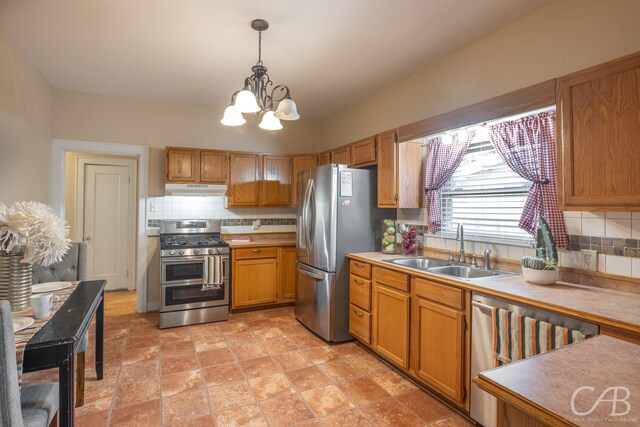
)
(34, 229)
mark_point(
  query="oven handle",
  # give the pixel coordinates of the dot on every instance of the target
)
(182, 260)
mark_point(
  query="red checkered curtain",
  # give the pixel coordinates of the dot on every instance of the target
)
(528, 146)
(444, 158)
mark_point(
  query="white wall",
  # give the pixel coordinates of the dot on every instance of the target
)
(562, 37)
(25, 128)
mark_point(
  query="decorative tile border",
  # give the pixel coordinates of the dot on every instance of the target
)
(263, 221)
(606, 245)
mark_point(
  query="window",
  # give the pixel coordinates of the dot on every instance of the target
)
(485, 195)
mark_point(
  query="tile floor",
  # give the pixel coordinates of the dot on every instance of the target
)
(257, 369)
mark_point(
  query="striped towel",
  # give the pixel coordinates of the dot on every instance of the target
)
(516, 337)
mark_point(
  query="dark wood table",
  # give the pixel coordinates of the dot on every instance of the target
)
(55, 344)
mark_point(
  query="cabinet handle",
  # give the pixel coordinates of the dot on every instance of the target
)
(255, 251)
(358, 282)
(396, 197)
(358, 313)
(357, 264)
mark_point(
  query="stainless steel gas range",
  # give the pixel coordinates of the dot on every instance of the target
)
(194, 276)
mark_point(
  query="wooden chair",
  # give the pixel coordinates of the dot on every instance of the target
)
(72, 267)
(32, 406)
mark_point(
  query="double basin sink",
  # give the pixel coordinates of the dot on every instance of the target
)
(448, 268)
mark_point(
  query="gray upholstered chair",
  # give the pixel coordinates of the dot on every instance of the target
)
(35, 405)
(72, 267)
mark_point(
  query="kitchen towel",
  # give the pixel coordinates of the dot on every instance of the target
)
(516, 337)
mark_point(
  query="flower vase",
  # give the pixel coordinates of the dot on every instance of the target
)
(15, 281)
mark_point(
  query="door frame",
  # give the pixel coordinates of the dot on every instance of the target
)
(61, 146)
(81, 163)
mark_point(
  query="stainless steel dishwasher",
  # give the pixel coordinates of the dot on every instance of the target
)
(483, 405)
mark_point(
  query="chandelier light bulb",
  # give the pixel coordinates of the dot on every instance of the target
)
(232, 117)
(270, 122)
(287, 110)
(246, 102)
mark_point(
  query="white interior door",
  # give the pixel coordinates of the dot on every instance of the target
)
(107, 197)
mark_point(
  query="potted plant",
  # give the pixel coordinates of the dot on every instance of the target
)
(542, 269)
(30, 232)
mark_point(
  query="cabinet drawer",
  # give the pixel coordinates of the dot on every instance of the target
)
(360, 268)
(391, 278)
(360, 324)
(360, 292)
(253, 253)
(438, 292)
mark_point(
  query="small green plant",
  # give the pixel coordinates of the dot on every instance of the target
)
(546, 253)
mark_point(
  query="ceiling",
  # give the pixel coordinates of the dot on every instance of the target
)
(331, 53)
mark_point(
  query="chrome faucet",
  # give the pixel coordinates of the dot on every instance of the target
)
(460, 235)
(487, 262)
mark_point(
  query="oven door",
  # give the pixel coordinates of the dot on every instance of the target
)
(182, 296)
(182, 270)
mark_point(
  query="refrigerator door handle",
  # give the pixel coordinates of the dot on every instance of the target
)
(305, 214)
(312, 275)
(311, 222)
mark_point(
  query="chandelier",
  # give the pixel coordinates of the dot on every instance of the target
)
(259, 95)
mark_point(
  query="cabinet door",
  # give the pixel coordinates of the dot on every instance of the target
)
(324, 158)
(182, 165)
(387, 170)
(213, 167)
(363, 153)
(391, 324)
(255, 281)
(288, 274)
(244, 179)
(441, 348)
(341, 156)
(300, 163)
(276, 181)
(598, 128)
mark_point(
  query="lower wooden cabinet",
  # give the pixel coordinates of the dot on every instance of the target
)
(360, 324)
(256, 282)
(440, 343)
(288, 275)
(263, 276)
(417, 324)
(390, 316)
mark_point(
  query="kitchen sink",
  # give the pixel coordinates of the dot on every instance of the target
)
(465, 272)
(448, 268)
(419, 263)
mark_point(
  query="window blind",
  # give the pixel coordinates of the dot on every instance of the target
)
(486, 196)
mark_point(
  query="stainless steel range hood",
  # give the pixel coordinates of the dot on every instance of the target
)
(195, 190)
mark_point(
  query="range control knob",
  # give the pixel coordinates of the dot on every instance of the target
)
(172, 251)
(211, 251)
(181, 252)
(196, 251)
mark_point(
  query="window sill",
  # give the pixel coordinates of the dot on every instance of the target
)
(486, 239)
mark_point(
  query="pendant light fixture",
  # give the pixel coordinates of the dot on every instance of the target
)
(259, 95)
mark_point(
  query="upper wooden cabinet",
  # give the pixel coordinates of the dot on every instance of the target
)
(213, 167)
(363, 153)
(399, 172)
(276, 181)
(182, 165)
(324, 158)
(341, 155)
(189, 165)
(598, 130)
(300, 163)
(244, 179)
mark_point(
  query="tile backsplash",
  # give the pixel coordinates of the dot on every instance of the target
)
(615, 235)
(234, 220)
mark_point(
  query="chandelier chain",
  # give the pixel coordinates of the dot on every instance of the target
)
(260, 47)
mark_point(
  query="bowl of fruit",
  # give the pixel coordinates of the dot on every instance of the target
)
(389, 236)
(409, 240)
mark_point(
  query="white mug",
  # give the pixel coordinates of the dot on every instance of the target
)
(41, 304)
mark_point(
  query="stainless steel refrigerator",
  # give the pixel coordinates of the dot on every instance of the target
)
(337, 214)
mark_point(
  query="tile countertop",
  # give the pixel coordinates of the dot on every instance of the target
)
(543, 386)
(263, 242)
(597, 305)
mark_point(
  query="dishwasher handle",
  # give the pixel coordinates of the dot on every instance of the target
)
(481, 306)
